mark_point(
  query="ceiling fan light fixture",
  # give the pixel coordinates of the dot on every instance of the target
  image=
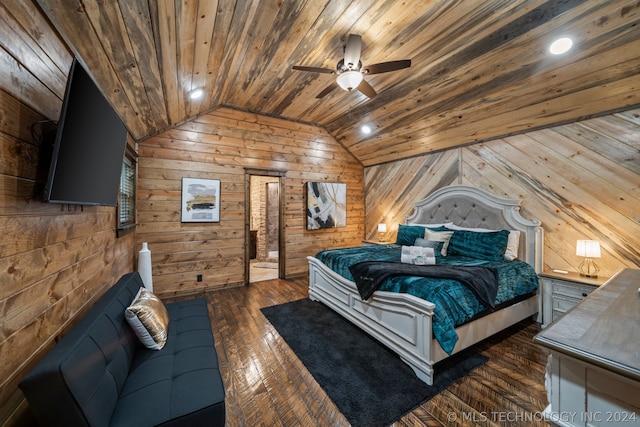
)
(349, 80)
(350, 72)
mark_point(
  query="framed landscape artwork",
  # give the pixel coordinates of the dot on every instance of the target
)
(326, 205)
(200, 200)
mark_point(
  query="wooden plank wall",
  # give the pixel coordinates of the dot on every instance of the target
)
(220, 145)
(55, 260)
(582, 180)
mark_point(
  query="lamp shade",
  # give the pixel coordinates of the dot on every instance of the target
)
(588, 248)
(382, 228)
(349, 80)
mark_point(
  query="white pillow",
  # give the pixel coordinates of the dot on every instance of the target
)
(439, 236)
(513, 241)
(149, 319)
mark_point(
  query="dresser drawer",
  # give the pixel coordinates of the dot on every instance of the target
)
(564, 304)
(561, 305)
(565, 295)
(570, 290)
(560, 292)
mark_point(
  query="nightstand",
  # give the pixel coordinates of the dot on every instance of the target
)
(560, 292)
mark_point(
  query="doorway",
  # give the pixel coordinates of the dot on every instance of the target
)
(264, 225)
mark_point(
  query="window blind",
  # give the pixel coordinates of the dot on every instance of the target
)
(127, 202)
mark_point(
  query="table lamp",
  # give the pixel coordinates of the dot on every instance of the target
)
(588, 249)
(382, 228)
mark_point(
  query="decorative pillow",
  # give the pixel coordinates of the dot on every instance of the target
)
(437, 246)
(149, 319)
(513, 243)
(488, 245)
(439, 236)
(407, 234)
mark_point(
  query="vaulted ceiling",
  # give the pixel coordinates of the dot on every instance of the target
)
(480, 68)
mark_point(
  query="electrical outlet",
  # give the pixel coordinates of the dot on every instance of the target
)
(199, 279)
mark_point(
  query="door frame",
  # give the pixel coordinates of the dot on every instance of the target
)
(280, 174)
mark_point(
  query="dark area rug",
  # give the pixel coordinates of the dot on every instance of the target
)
(367, 381)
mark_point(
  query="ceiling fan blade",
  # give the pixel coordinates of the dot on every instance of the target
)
(366, 88)
(326, 90)
(314, 69)
(385, 67)
(352, 51)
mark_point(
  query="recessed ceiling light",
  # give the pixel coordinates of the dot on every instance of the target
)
(366, 129)
(196, 93)
(561, 45)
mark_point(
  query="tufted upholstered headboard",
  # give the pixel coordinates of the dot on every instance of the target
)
(469, 206)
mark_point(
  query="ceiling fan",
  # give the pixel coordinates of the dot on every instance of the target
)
(350, 71)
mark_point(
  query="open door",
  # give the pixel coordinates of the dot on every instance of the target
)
(264, 226)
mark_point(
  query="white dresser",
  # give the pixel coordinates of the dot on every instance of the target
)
(593, 370)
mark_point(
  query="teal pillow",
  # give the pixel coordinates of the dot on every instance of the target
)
(407, 234)
(487, 246)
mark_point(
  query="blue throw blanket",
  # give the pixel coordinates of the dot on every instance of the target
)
(482, 281)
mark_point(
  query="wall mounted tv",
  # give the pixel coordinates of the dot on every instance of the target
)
(89, 146)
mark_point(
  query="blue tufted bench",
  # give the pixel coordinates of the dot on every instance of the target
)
(100, 375)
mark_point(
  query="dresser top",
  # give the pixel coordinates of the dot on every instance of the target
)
(604, 328)
(571, 276)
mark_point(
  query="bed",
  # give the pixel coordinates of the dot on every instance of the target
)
(404, 322)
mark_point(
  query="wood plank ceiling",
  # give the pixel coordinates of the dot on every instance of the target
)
(480, 68)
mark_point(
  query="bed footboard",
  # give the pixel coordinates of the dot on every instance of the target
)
(401, 322)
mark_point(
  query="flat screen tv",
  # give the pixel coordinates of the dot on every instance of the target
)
(89, 146)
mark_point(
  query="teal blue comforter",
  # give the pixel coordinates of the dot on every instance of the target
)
(455, 304)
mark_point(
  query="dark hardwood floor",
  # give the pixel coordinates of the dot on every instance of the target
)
(266, 385)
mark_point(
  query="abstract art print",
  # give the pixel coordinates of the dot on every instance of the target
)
(200, 200)
(326, 205)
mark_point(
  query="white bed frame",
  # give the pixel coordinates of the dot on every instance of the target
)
(402, 322)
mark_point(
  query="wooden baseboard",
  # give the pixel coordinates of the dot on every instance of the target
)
(193, 292)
